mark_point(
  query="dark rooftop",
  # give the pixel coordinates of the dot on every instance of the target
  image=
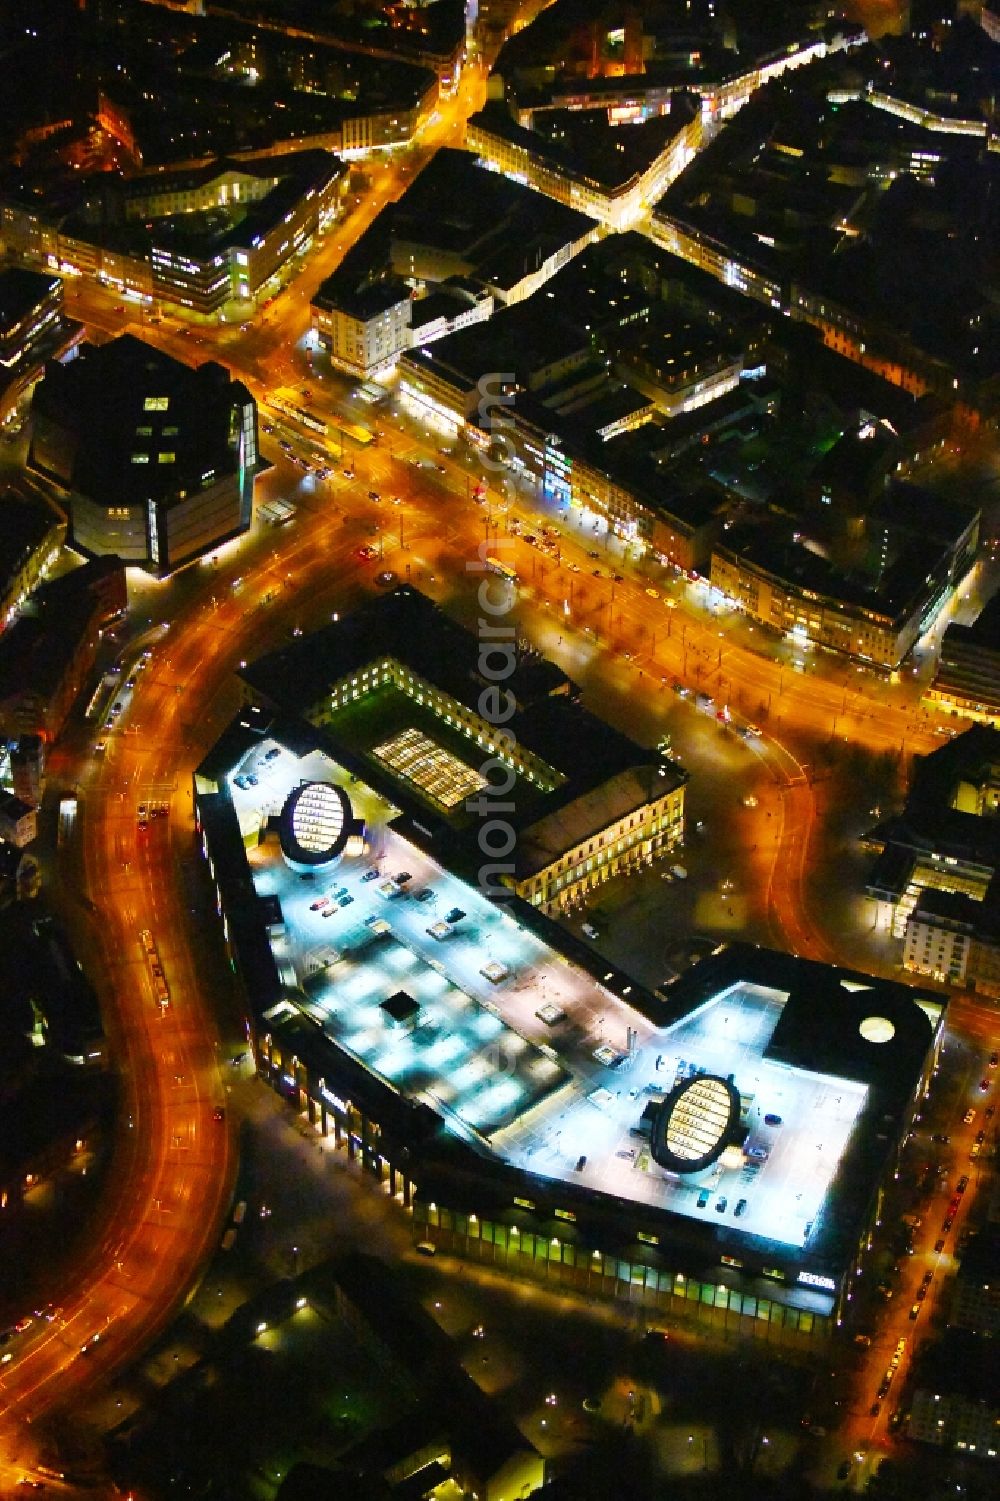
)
(124, 399)
(584, 144)
(477, 1426)
(37, 648)
(910, 509)
(25, 524)
(931, 820)
(776, 550)
(458, 206)
(960, 1362)
(118, 212)
(500, 230)
(819, 1026)
(406, 625)
(20, 291)
(310, 1482)
(984, 630)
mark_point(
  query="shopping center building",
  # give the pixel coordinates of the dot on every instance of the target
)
(411, 698)
(716, 1147)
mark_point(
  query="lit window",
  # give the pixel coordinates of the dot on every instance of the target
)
(165, 458)
(156, 403)
(140, 458)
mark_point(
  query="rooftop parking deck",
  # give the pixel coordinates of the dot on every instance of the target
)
(787, 1169)
(505, 1037)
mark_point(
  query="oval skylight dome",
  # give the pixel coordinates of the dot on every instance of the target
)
(315, 823)
(695, 1123)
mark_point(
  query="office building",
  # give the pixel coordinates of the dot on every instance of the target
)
(207, 237)
(967, 681)
(364, 327)
(613, 173)
(936, 881)
(872, 609)
(47, 655)
(30, 315)
(31, 535)
(157, 459)
(18, 821)
(459, 230)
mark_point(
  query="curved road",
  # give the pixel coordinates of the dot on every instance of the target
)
(174, 1167)
(172, 1173)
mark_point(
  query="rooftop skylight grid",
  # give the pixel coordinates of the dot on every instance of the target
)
(440, 776)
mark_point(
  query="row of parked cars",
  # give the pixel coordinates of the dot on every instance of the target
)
(722, 1204)
(247, 779)
(332, 902)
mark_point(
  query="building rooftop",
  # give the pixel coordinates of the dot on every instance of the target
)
(939, 816)
(21, 291)
(594, 768)
(775, 549)
(568, 45)
(984, 631)
(11, 806)
(912, 511)
(405, 624)
(144, 425)
(36, 650)
(444, 303)
(497, 231)
(969, 663)
(960, 1362)
(954, 908)
(477, 1427)
(500, 228)
(124, 213)
(624, 792)
(531, 1053)
(25, 525)
(981, 1259)
(515, 340)
(584, 144)
(795, 188)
